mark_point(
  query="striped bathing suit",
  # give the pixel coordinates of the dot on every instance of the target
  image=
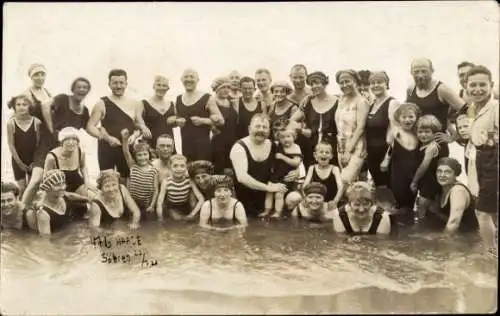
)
(141, 185)
(178, 191)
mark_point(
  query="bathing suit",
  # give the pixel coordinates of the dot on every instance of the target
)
(74, 179)
(224, 222)
(377, 218)
(26, 145)
(224, 140)
(244, 118)
(141, 185)
(106, 217)
(330, 183)
(157, 122)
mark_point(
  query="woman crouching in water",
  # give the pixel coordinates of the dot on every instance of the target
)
(223, 212)
(361, 216)
(113, 202)
(313, 208)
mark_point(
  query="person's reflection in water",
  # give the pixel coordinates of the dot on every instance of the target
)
(223, 212)
(313, 208)
(361, 216)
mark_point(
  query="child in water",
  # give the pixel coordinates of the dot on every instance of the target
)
(23, 137)
(428, 154)
(143, 183)
(325, 173)
(177, 189)
(403, 160)
(288, 157)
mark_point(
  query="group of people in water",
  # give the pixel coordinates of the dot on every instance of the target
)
(243, 146)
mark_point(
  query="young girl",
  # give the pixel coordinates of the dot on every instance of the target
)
(428, 155)
(23, 137)
(288, 157)
(402, 156)
(326, 173)
(143, 182)
(177, 189)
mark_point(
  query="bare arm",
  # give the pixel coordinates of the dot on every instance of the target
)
(205, 215)
(94, 215)
(240, 164)
(384, 226)
(309, 175)
(131, 205)
(215, 114)
(10, 142)
(337, 222)
(161, 198)
(361, 115)
(156, 184)
(240, 215)
(126, 152)
(43, 222)
(340, 186)
(393, 106)
(199, 197)
(47, 115)
(293, 162)
(50, 164)
(450, 97)
(96, 116)
(430, 152)
(85, 171)
(459, 200)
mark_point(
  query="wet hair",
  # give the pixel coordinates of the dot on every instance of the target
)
(200, 166)
(10, 187)
(263, 71)
(378, 74)
(323, 143)
(404, 107)
(452, 163)
(105, 175)
(299, 66)
(480, 69)
(73, 84)
(247, 79)
(465, 64)
(167, 136)
(364, 77)
(12, 102)
(117, 72)
(360, 190)
(177, 157)
(429, 121)
(351, 72)
(318, 75)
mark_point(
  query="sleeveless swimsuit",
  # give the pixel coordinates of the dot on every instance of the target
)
(377, 218)
(26, 145)
(244, 118)
(106, 217)
(224, 140)
(157, 122)
(74, 179)
(223, 222)
(330, 183)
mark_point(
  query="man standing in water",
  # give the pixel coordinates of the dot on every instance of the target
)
(298, 75)
(252, 159)
(235, 92)
(115, 113)
(164, 149)
(264, 95)
(435, 98)
(196, 113)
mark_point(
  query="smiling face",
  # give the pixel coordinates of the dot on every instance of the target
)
(164, 147)
(347, 84)
(479, 88)
(247, 90)
(361, 207)
(259, 130)
(70, 144)
(190, 80)
(110, 186)
(142, 157)
(445, 175)
(298, 78)
(263, 81)
(118, 84)
(222, 195)
(179, 168)
(9, 201)
(315, 201)
(38, 79)
(378, 87)
(80, 90)
(286, 138)
(21, 106)
(279, 94)
(317, 86)
(323, 154)
(160, 87)
(407, 119)
(223, 92)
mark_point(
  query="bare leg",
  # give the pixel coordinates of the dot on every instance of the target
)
(32, 188)
(293, 199)
(22, 186)
(31, 220)
(486, 229)
(268, 205)
(279, 201)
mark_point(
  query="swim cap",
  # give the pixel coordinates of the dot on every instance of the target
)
(68, 132)
(36, 68)
(200, 166)
(315, 188)
(452, 163)
(105, 175)
(222, 181)
(317, 75)
(284, 84)
(220, 82)
(53, 178)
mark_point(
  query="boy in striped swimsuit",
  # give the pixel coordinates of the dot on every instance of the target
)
(177, 189)
(143, 183)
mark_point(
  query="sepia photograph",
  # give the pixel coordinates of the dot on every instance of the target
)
(253, 158)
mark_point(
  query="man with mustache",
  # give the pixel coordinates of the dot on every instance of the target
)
(435, 98)
(197, 111)
(264, 95)
(115, 113)
(252, 160)
(298, 75)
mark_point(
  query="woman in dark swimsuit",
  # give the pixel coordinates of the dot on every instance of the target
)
(361, 216)
(58, 208)
(282, 109)
(318, 113)
(313, 208)
(223, 136)
(113, 202)
(223, 212)
(156, 116)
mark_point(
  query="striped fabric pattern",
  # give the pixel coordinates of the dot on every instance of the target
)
(141, 185)
(178, 192)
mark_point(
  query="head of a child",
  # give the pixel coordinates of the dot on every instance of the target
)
(286, 137)
(464, 123)
(427, 126)
(406, 115)
(20, 104)
(164, 146)
(323, 153)
(142, 155)
(178, 166)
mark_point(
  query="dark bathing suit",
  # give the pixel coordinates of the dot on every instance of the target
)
(428, 185)
(58, 221)
(47, 140)
(377, 218)
(313, 219)
(106, 217)
(244, 118)
(224, 140)
(195, 139)
(253, 200)
(376, 128)
(157, 122)
(330, 183)
(432, 105)
(73, 177)
(113, 122)
(26, 145)
(223, 222)
(281, 168)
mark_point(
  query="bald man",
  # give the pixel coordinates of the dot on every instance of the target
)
(235, 93)
(196, 113)
(435, 98)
